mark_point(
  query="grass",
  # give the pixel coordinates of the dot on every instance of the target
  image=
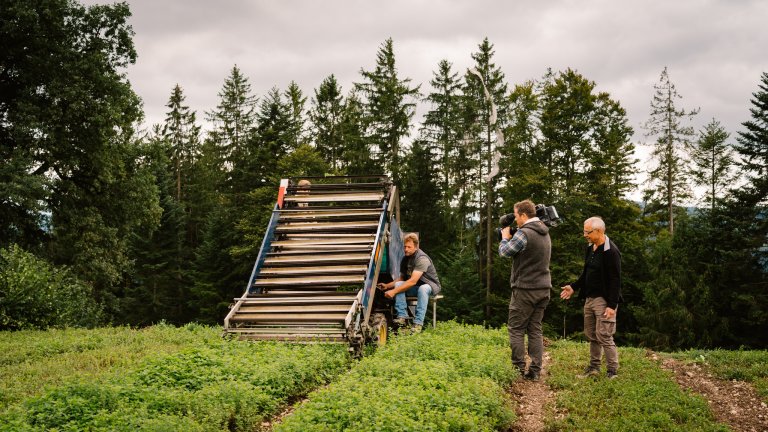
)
(742, 365)
(642, 398)
(452, 378)
(175, 379)
(33, 361)
(455, 377)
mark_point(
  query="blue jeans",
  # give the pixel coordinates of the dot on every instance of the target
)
(422, 293)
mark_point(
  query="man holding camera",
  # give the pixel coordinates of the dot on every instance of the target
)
(530, 248)
(600, 285)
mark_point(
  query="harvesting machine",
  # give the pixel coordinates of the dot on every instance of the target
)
(322, 254)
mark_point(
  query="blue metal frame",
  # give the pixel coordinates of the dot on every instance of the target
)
(266, 244)
(368, 285)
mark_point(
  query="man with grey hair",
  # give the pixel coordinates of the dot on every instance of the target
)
(600, 286)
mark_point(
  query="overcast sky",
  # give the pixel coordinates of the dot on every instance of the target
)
(715, 51)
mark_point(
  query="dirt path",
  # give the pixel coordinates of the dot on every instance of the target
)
(734, 403)
(532, 399)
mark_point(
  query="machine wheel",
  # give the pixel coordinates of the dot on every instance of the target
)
(379, 330)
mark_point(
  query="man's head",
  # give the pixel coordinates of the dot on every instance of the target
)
(594, 230)
(524, 210)
(410, 243)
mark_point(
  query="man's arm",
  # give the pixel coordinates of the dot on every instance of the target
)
(405, 285)
(509, 247)
(613, 269)
(389, 285)
(568, 290)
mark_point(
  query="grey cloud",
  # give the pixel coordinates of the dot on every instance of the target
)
(714, 49)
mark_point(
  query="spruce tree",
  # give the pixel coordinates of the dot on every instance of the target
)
(486, 110)
(182, 135)
(442, 131)
(358, 157)
(420, 196)
(713, 163)
(326, 116)
(389, 105)
(669, 176)
(753, 147)
(296, 101)
(233, 120)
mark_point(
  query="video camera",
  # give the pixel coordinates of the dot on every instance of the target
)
(547, 214)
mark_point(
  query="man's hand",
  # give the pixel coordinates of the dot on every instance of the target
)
(390, 294)
(385, 286)
(609, 313)
(567, 292)
(505, 234)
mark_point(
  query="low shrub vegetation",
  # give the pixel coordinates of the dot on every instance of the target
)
(642, 398)
(32, 360)
(211, 384)
(447, 379)
(742, 365)
(37, 294)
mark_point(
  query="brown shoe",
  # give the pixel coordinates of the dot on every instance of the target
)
(400, 322)
(589, 372)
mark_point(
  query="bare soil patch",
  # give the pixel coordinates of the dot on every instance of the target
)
(735, 403)
(532, 400)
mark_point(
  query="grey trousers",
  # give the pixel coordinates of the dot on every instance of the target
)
(599, 332)
(526, 311)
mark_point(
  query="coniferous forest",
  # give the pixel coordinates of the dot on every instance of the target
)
(103, 222)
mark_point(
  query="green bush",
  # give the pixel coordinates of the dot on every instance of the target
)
(36, 294)
(449, 379)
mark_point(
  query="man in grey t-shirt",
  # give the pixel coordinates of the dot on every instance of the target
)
(418, 278)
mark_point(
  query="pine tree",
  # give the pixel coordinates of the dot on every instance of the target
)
(160, 281)
(713, 163)
(327, 115)
(275, 136)
(523, 173)
(296, 101)
(753, 147)
(420, 196)
(669, 178)
(358, 158)
(234, 120)
(182, 135)
(486, 110)
(442, 131)
(389, 104)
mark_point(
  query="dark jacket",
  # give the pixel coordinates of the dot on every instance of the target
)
(611, 274)
(530, 267)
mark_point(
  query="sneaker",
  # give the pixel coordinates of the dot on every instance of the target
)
(589, 372)
(531, 376)
(416, 328)
(399, 322)
(611, 374)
